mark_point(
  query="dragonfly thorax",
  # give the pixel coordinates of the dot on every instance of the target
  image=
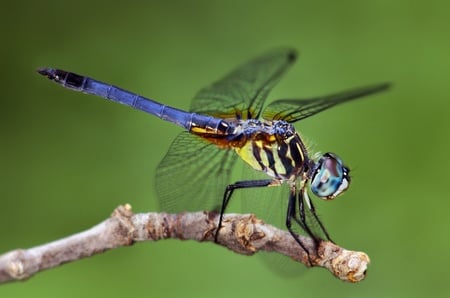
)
(273, 147)
(279, 128)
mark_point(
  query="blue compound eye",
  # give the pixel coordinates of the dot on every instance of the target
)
(330, 178)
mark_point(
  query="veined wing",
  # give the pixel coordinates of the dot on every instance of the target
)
(292, 110)
(193, 175)
(241, 94)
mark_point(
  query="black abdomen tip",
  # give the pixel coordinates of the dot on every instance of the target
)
(53, 74)
(43, 71)
(50, 73)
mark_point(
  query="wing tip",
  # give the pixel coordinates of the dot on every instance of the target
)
(292, 55)
(382, 87)
(288, 53)
(387, 85)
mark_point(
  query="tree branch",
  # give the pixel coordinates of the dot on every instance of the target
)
(244, 234)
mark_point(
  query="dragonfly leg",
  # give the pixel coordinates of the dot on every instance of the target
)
(301, 220)
(229, 192)
(303, 197)
(291, 214)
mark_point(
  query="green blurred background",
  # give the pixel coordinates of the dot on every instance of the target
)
(67, 160)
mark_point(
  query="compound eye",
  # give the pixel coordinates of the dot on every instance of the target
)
(330, 178)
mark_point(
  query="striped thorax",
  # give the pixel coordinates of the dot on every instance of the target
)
(272, 147)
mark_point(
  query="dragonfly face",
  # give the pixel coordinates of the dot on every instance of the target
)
(227, 116)
(330, 178)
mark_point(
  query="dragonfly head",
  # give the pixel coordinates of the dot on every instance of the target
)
(330, 177)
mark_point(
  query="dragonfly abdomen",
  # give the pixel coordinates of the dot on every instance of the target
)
(193, 122)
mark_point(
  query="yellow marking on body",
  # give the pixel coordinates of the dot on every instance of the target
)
(269, 145)
(198, 130)
(259, 144)
(246, 153)
(279, 167)
(301, 151)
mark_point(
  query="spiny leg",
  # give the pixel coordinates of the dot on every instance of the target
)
(237, 185)
(305, 198)
(291, 214)
(301, 220)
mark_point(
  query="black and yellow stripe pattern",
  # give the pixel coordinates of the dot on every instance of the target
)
(280, 158)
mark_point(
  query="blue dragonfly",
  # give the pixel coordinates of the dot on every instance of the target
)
(227, 120)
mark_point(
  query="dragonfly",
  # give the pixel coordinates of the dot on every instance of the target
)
(226, 121)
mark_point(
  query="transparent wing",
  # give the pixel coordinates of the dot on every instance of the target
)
(292, 110)
(193, 175)
(241, 94)
(267, 203)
